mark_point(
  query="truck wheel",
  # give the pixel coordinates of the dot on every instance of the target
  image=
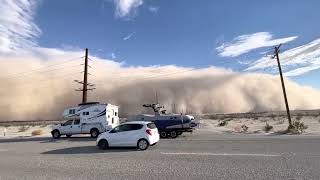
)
(173, 134)
(103, 144)
(94, 133)
(163, 134)
(142, 144)
(55, 134)
(68, 135)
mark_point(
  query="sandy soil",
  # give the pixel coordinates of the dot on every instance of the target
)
(255, 126)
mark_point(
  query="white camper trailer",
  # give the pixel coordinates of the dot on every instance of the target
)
(88, 118)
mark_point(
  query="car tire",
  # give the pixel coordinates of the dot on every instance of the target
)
(163, 134)
(173, 134)
(94, 133)
(142, 144)
(103, 144)
(68, 135)
(56, 134)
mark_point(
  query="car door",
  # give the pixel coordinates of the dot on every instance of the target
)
(66, 127)
(134, 134)
(76, 127)
(118, 136)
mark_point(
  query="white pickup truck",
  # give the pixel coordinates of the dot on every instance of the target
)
(88, 118)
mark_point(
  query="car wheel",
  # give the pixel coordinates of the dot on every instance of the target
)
(56, 134)
(68, 135)
(103, 144)
(94, 133)
(163, 134)
(173, 134)
(142, 144)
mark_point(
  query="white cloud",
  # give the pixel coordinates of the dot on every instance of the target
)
(295, 61)
(17, 29)
(127, 37)
(153, 9)
(246, 43)
(125, 8)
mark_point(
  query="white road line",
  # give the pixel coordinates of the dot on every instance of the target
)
(218, 154)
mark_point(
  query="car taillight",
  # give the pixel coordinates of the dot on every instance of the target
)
(149, 132)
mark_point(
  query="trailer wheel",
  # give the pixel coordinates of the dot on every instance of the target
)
(173, 134)
(55, 134)
(94, 133)
(163, 134)
(103, 144)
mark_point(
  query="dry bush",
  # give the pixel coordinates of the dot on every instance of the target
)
(37, 132)
(298, 127)
(267, 127)
(244, 128)
(222, 123)
(23, 128)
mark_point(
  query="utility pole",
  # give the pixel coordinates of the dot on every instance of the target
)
(85, 83)
(276, 55)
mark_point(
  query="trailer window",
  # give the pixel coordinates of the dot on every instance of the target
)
(115, 113)
(112, 120)
(72, 111)
(151, 126)
(85, 113)
(77, 121)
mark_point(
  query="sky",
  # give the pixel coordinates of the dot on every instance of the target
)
(236, 35)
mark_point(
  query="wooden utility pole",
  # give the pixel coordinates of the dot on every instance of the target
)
(276, 54)
(85, 78)
(85, 83)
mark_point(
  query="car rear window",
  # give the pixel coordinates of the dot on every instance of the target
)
(151, 126)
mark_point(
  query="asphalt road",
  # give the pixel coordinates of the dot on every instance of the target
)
(197, 156)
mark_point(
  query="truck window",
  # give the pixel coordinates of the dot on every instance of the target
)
(69, 122)
(151, 126)
(77, 121)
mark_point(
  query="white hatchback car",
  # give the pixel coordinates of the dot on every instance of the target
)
(140, 134)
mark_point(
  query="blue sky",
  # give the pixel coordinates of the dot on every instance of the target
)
(187, 33)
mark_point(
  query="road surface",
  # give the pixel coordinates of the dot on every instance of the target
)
(196, 156)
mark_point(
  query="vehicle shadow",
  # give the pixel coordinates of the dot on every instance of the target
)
(88, 150)
(45, 139)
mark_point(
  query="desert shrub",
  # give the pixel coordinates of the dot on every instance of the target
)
(244, 128)
(37, 132)
(255, 118)
(23, 128)
(222, 123)
(267, 127)
(43, 125)
(298, 127)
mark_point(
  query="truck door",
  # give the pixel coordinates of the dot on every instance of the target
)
(66, 128)
(76, 127)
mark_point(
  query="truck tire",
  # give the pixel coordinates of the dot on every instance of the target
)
(94, 132)
(173, 134)
(163, 134)
(103, 144)
(142, 144)
(55, 134)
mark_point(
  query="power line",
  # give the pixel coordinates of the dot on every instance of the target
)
(36, 69)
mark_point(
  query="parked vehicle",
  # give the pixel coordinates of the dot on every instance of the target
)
(169, 125)
(140, 134)
(88, 118)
